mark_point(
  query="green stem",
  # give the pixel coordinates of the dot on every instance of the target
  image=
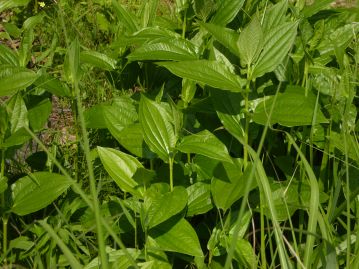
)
(184, 24)
(86, 146)
(171, 172)
(4, 217)
(246, 128)
(263, 242)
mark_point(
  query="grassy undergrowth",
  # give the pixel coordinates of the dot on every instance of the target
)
(179, 134)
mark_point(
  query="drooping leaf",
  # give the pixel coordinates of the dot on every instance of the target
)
(15, 81)
(250, 42)
(18, 113)
(277, 44)
(165, 49)
(72, 62)
(32, 21)
(227, 11)
(177, 236)
(204, 8)
(205, 143)
(121, 167)
(315, 7)
(7, 56)
(157, 128)
(212, 73)
(159, 207)
(292, 108)
(36, 191)
(25, 47)
(227, 37)
(126, 18)
(97, 59)
(199, 199)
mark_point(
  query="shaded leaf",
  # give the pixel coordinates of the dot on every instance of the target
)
(177, 236)
(159, 207)
(227, 11)
(18, 80)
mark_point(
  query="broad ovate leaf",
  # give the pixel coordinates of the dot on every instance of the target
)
(14, 80)
(205, 143)
(227, 11)
(211, 73)
(159, 207)
(157, 129)
(292, 108)
(165, 49)
(36, 191)
(121, 167)
(229, 184)
(227, 37)
(18, 113)
(199, 199)
(97, 59)
(277, 44)
(177, 236)
(250, 42)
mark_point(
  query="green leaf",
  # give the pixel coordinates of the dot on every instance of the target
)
(121, 167)
(72, 62)
(205, 143)
(94, 117)
(229, 111)
(157, 128)
(275, 16)
(212, 73)
(227, 11)
(18, 113)
(18, 138)
(52, 85)
(227, 37)
(250, 42)
(177, 236)
(8, 56)
(17, 80)
(39, 115)
(229, 184)
(36, 191)
(120, 114)
(97, 59)
(119, 259)
(131, 138)
(159, 207)
(292, 108)
(315, 7)
(31, 22)
(165, 49)
(277, 44)
(125, 17)
(7, 4)
(199, 199)
(25, 47)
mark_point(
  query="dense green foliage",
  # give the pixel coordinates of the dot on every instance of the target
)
(201, 134)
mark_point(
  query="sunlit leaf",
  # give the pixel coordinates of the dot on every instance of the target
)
(36, 191)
